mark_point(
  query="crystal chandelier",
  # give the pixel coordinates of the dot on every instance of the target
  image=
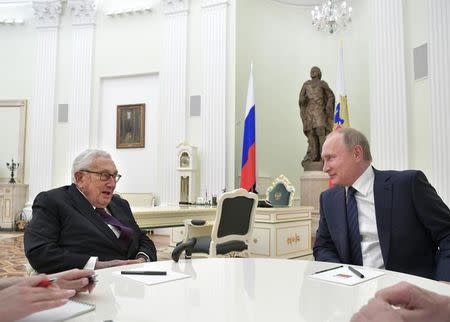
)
(332, 16)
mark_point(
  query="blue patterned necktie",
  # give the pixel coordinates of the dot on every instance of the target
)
(126, 233)
(353, 227)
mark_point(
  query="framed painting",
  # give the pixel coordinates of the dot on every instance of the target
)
(130, 129)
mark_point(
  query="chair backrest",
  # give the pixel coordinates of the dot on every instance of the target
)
(235, 216)
(281, 192)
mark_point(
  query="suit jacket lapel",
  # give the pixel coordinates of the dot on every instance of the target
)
(85, 209)
(383, 211)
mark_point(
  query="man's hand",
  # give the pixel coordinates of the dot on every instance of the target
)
(75, 279)
(412, 304)
(117, 262)
(26, 298)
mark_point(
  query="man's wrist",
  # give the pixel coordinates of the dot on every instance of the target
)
(144, 256)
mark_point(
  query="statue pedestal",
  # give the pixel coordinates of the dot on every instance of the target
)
(312, 183)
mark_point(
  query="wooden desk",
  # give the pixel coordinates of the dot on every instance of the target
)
(278, 232)
(159, 217)
(12, 201)
(282, 232)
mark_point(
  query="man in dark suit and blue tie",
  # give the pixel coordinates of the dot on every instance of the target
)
(384, 219)
(85, 225)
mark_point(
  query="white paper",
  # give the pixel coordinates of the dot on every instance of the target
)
(69, 310)
(154, 279)
(344, 276)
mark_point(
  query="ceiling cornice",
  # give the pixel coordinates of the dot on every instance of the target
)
(300, 3)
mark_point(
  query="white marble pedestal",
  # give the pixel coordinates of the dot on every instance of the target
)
(312, 183)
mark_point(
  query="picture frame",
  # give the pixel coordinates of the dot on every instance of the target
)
(130, 127)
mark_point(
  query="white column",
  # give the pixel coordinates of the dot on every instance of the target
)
(388, 113)
(439, 80)
(173, 102)
(83, 26)
(214, 103)
(42, 104)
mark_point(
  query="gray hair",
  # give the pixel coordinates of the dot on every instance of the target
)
(353, 137)
(84, 160)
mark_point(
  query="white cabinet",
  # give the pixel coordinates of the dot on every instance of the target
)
(12, 201)
(282, 232)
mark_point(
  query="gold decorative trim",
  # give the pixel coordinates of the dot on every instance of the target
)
(287, 184)
(293, 239)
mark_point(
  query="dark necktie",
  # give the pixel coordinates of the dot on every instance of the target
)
(353, 227)
(126, 233)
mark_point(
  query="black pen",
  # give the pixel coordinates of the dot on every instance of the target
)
(329, 269)
(354, 271)
(143, 273)
(92, 279)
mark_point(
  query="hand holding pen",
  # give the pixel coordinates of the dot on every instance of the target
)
(25, 297)
(81, 280)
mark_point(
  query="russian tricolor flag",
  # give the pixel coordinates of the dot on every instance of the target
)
(248, 171)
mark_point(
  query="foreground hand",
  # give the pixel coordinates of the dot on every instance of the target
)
(414, 304)
(75, 279)
(377, 310)
(117, 262)
(25, 298)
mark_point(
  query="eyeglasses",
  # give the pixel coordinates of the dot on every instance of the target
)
(105, 176)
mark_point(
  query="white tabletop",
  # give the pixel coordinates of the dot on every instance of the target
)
(223, 289)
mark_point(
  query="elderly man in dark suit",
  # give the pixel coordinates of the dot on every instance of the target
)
(85, 224)
(384, 219)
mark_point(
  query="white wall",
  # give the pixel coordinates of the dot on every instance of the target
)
(417, 90)
(10, 140)
(137, 166)
(283, 46)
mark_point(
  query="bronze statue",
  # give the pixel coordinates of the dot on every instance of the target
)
(316, 103)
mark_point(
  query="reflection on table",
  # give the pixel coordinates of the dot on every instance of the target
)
(224, 289)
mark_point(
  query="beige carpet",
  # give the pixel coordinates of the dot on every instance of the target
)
(14, 263)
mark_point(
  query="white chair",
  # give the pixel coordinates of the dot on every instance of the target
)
(230, 233)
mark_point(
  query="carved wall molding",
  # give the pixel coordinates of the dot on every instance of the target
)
(212, 3)
(11, 21)
(83, 11)
(47, 13)
(128, 11)
(175, 6)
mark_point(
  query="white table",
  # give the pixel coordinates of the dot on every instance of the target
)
(247, 290)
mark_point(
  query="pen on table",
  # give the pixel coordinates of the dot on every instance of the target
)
(329, 269)
(354, 271)
(46, 282)
(92, 279)
(143, 273)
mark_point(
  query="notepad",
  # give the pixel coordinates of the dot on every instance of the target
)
(62, 313)
(344, 276)
(154, 279)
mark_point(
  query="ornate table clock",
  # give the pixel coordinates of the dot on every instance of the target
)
(187, 171)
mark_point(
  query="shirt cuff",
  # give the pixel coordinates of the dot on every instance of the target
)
(91, 263)
(143, 255)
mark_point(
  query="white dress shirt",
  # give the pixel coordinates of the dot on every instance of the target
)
(370, 243)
